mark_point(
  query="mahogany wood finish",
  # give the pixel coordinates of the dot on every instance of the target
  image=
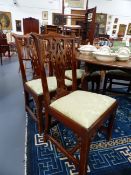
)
(4, 46)
(94, 64)
(51, 28)
(90, 24)
(27, 52)
(94, 78)
(62, 49)
(80, 19)
(25, 48)
(30, 25)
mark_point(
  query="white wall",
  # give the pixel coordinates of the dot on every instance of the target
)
(117, 8)
(34, 8)
(30, 8)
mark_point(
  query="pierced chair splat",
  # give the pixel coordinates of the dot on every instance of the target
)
(83, 112)
(32, 83)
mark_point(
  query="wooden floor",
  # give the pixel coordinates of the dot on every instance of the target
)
(12, 119)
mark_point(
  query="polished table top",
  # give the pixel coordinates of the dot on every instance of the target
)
(90, 60)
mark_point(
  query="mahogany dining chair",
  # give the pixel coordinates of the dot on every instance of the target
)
(81, 111)
(32, 83)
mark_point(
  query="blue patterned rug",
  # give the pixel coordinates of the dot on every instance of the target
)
(106, 158)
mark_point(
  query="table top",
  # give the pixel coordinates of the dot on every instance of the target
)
(113, 64)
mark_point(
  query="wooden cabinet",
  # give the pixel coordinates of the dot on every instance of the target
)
(30, 25)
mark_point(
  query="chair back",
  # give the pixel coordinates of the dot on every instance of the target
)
(27, 52)
(62, 54)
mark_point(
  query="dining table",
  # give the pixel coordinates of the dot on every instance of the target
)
(92, 64)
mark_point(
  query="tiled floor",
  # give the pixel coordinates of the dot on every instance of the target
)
(12, 119)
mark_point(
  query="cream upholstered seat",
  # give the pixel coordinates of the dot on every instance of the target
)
(36, 85)
(79, 73)
(83, 107)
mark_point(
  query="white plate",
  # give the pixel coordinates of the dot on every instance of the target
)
(87, 48)
(123, 52)
(122, 58)
(105, 56)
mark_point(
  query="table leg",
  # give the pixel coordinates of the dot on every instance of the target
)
(1, 58)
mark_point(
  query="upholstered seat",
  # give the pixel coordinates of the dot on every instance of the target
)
(79, 104)
(94, 77)
(36, 85)
(79, 73)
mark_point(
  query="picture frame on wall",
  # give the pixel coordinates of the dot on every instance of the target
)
(116, 20)
(57, 19)
(129, 29)
(113, 32)
(114, 26)
(45, 15)
(18, 25)
(5, 20)
(122, 30)
(75, 3)
(101, 19)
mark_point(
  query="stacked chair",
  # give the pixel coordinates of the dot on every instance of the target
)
(83, 112)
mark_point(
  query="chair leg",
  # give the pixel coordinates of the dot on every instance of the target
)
(110, 126)
(1, 58)
(39, 115)
(105, 84)
(47, 126)
(9, 53)
(110, 83)
(129, 87)
(84, 153)
(98, 85)
(92, 88)
(26, 99)
(84, 83)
